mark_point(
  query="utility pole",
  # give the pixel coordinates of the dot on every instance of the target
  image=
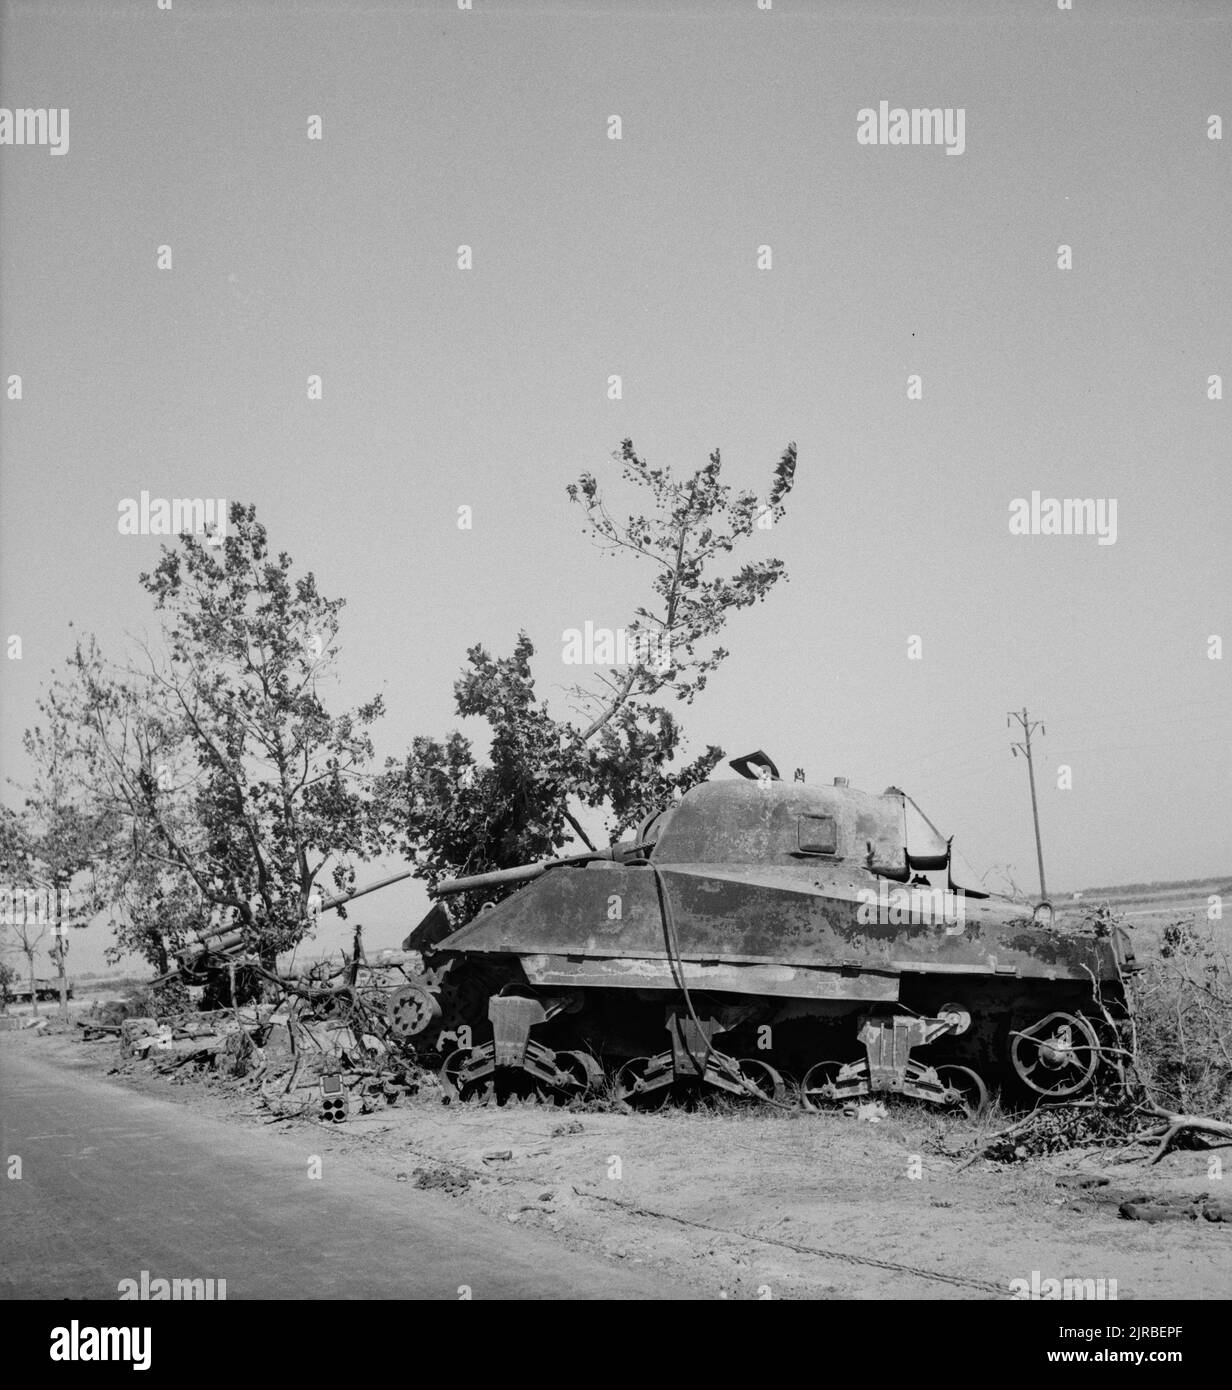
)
(1025, 748)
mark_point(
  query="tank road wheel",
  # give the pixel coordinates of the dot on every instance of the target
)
(451, 1071)
(465, 1077)
(585, 1075)
(412, 1009)
(963, 1090)
(1057, 1056)
(818, 1089)
(464, 1001)
(759, 1080)
(633, 1083)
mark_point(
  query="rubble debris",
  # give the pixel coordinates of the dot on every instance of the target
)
(238, 1055)
(132, 1031)
(1082, 1180)
(276, 1041)
(1158, 1209)
(1179, 1206)
(440, 1179)
(161, 1040)
(115, 1011)
(333, 1099)
(280, 1041)
(98, 1032)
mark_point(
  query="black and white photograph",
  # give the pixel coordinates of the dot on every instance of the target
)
(613, 677)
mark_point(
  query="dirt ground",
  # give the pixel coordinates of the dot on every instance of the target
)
(765, 1204)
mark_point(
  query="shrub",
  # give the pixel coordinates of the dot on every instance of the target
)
(1182, 1006)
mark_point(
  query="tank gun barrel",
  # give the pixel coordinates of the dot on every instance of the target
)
(489, 880)
(496, 877)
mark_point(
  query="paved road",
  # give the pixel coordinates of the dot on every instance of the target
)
(114, 1183)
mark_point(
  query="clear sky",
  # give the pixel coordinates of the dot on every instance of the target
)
(639, 257)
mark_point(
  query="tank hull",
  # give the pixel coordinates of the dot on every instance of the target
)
(778, 941)
(780, 931)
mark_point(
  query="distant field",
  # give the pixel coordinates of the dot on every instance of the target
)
(1148, 907)
(116, 984)
(1183, 891)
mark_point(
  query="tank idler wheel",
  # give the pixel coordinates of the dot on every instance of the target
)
(469, 1074)
(1056, 1057)
(819, 1091)
(963, 1090)
(644, 1082)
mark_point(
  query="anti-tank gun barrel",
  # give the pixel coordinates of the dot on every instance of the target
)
(226, 939)
(227, 935)
(329, 904)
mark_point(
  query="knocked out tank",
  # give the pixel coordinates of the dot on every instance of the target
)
(755, 932)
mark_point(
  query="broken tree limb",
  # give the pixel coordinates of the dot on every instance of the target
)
(991, 1139)
(1020, 1126)
(1176, 1124)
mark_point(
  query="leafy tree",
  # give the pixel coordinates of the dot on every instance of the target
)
(51, 851)
(153, 912)
(234, 787)
(457, 815)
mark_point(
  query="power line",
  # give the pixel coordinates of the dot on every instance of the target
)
(1129, 717)
(1125, 715)
(1130, 747)
(982, 767)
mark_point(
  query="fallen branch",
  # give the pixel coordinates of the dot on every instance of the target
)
(1177, 1124)
(991, 1139)
(1020, 1126)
